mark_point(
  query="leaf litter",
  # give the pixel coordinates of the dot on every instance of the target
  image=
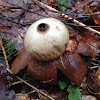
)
(15, 19)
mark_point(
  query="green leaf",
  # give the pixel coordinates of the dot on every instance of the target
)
(61, 3)
(70, 88)
(74, 93)
(62, 84)
(63, 8)
(67, 4)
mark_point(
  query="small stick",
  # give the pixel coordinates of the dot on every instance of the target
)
(4, 52)
(91, 91)
(66, 16)
(93, 67)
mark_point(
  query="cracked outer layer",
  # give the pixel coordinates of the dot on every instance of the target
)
(73, 68)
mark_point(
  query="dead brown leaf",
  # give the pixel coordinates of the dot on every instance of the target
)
(5, 82)
(56, 95)
(84, 49)
(88, 97)
(97, 75)
(20, 96)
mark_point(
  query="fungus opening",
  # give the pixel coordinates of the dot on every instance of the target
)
(43, 27)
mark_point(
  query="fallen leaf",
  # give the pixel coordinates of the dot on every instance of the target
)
(88, 97)
(20, 96)
(97, 75)
(5, 82)
(84, 49)
(55, 95)
(92, 40)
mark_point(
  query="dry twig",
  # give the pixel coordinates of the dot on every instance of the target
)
(3, 49)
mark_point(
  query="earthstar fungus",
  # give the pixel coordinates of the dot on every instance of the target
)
(45, 44)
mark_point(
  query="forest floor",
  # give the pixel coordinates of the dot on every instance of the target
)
(81, 17)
